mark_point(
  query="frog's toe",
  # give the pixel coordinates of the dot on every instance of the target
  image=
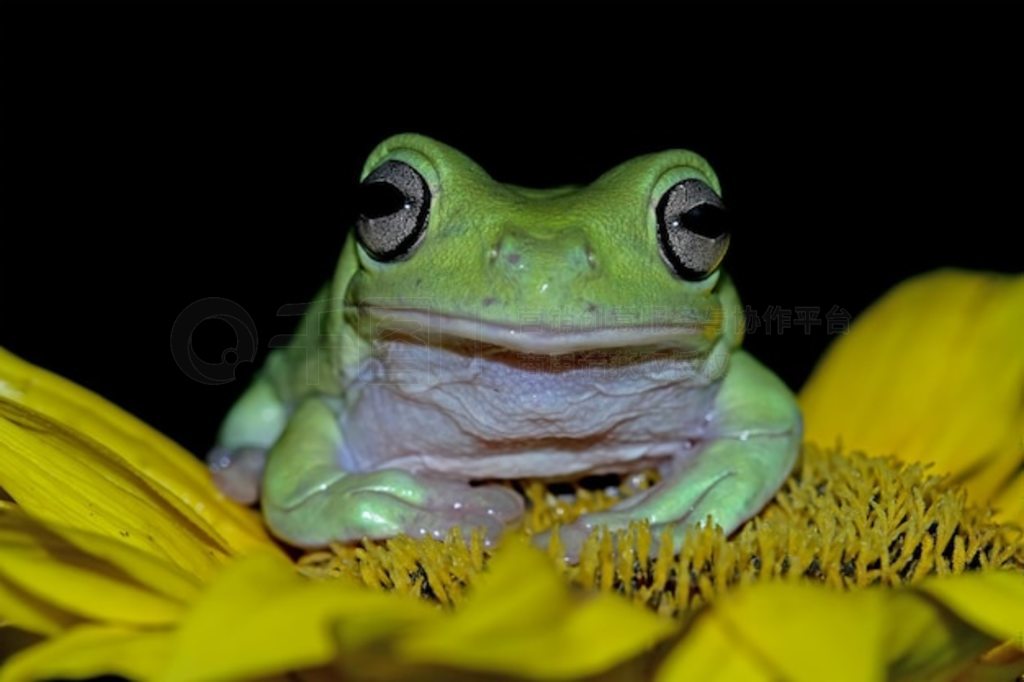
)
(571, 538)
(493, 501)
(376, 515)
(382, 504)
(238, 472)
(489, 508)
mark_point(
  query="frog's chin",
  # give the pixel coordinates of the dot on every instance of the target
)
(432, 327)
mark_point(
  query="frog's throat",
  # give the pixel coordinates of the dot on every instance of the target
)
(541, 339)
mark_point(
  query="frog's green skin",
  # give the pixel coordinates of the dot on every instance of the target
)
(593, 356)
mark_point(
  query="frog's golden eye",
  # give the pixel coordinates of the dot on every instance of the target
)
(394, 203)
(692, 229)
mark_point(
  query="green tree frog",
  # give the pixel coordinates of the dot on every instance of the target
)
(476, 331)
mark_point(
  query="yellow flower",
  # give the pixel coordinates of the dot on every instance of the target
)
(934, 372)
(118, 555)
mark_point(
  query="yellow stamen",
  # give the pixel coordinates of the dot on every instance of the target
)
(844, 520)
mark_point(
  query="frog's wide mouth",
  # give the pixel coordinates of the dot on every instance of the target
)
(435, 327)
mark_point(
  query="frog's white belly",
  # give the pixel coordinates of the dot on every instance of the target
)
(507, 415)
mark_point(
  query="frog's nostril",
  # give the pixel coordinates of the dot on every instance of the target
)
(563, 253)
(509, 253)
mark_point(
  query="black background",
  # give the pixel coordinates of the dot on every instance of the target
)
(153, 159)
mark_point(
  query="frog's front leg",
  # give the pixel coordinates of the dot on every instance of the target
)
(309, 500)
(748, 450)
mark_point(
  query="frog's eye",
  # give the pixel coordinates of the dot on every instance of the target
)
(394, 201)
(692, 229)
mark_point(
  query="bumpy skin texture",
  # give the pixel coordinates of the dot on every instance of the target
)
(529, 333)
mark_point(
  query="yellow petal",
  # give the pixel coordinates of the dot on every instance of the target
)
(1001, 663)
(89, 651)
(1009, 503)
(260, 618)
(709, 652)
(802, 631)
(932, 372)
(174, 473)
(522, 620)
(783, 630)
(59, 476)
(22, 610)
(56, 572)
(809, 632)
(991, 601)
(923, 643)
(120, 558)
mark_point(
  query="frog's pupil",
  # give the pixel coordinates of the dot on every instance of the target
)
(707, 220)
(379, 199)
(693, 229)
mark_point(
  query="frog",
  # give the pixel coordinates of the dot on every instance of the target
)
(477, 332)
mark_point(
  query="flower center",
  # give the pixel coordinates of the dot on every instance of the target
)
(845, 520)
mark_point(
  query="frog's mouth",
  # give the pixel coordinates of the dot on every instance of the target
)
(433, 327)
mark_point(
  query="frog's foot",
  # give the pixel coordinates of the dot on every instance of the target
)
(389, 502)
(238, 471)
(729, 482)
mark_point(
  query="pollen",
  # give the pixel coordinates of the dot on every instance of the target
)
(845, 520)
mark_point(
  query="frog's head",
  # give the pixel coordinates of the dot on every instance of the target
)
(629, 261)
